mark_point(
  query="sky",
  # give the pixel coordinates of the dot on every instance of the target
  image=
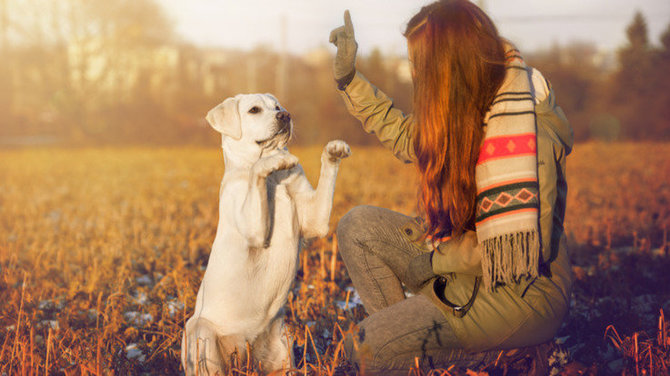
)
(531, 24)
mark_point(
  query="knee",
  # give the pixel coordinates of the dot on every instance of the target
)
(353, 224)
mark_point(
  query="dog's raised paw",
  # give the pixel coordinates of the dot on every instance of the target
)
(336, 150)
(281, 161)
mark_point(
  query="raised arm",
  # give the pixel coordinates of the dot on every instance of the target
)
(367, 103)
(380, 117)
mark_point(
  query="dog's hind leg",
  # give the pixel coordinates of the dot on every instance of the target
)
(204, 351)
(234, 351)
(272, 347)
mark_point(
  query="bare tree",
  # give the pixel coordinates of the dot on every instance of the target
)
(77, 57)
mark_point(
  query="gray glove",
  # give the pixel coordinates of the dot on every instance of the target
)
(419, 271)
(342, 37)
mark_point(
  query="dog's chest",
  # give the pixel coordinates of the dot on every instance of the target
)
(282, 210)
(277, 264)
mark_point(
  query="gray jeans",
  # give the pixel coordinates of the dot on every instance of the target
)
(398, 329)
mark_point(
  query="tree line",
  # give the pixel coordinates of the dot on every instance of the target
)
(76, 73)
(629, 101)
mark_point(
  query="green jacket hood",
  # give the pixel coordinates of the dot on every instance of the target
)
(558, 127)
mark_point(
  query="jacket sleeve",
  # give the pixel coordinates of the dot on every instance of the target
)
(458, 255)
(376, 112)
(553, 148)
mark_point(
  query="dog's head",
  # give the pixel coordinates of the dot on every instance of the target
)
(252, 119)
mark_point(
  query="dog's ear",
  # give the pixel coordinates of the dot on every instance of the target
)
(225, 118)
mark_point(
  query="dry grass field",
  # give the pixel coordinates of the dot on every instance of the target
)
(102, 252)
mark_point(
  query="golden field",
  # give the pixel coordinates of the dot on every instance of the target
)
(102, 251)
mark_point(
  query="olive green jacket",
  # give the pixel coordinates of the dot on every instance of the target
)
(513, 315)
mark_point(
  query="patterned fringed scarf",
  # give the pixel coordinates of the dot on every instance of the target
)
(507, 218)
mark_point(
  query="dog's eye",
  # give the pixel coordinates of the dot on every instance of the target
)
(254, 110)
(277, 108)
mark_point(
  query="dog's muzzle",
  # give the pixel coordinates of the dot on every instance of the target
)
(283, 122)
(283, 129)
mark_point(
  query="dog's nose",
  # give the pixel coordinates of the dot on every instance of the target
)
(283, 116)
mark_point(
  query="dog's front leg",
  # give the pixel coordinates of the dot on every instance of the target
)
(253, 219)
(315, 207)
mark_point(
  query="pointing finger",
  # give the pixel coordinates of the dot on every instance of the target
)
(348, 25)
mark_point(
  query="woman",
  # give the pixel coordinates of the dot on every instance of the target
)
(488, 263)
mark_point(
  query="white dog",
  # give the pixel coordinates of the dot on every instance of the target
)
(266, 205)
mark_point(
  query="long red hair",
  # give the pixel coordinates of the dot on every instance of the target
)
(457, 61)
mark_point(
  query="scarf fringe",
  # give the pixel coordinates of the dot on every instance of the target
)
(509, 257)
